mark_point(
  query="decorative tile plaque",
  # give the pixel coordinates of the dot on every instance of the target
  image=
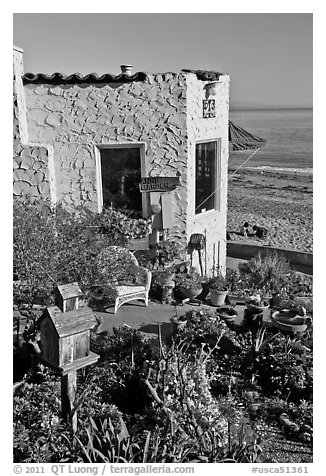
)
(209, 108)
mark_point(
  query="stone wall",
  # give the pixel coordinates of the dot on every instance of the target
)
(81, 118)
(31, 179)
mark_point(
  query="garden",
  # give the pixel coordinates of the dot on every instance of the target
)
(216, 390)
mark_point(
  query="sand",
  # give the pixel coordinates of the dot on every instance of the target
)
(279, 201)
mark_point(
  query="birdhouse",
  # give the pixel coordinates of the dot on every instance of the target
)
(65, 338)
(67, 296)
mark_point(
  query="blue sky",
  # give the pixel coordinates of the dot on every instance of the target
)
(267, 55)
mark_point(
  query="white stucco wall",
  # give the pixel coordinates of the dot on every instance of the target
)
(163, 114)
(211, 223)
(79, 119)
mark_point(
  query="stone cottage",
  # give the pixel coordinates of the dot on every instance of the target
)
(159, 142)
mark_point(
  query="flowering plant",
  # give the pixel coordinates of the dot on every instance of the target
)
(218, 283)
(192, 279)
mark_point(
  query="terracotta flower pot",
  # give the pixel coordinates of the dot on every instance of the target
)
(216, 297)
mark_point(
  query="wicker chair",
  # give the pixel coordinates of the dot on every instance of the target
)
(125, 287)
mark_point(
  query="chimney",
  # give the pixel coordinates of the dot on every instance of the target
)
(126, 69)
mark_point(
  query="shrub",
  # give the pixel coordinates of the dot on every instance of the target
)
(167, 251)
(268, 273)
(124, 346)
(285, 369)
(234, 282)
(58, 246)
(203, 327)
(125, 357)
(39, 435)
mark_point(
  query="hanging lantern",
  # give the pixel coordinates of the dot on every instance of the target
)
(211, 89)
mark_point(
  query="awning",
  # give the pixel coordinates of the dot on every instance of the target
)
(240, 139)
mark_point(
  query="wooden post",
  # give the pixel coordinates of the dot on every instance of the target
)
(200, 262)
(68, 394)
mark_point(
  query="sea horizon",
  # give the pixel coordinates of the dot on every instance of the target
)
(257, 106)
(289, 137)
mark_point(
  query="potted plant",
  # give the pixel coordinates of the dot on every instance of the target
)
(227, 314)
(256, 304)
(165, 277)
(189, 284)
(217, 290)
(162, 284)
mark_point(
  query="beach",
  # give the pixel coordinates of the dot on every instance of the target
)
(279, 200)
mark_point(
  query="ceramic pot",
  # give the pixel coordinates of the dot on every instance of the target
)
(227, 313)
(288, 320)
(216, 297)
(253, 309)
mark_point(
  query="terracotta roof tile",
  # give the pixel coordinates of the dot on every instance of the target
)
(76, 78)
(59, 78)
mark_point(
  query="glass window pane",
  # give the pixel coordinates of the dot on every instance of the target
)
(121, 171)
(205, 176)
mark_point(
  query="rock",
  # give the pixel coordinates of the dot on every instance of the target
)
(44, 188)
(19, 175)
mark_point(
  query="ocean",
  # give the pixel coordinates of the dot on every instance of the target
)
(289, 135)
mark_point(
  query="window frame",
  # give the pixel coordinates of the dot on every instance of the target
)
(217, 181)
(128, 145)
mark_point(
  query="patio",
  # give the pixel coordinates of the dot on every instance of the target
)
(147, 319)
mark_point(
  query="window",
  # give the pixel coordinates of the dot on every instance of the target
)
(207, 176)
(120, 177)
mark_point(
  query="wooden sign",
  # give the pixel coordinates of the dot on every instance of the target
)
(209, 108)
(158, 184)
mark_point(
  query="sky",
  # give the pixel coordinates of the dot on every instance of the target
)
(269, 56)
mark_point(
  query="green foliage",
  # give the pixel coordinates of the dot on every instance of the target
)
(191, 279)
(267, 273)
(167, 252)
(124, 346)
(298, 284)
(107, 443)
(218, 283)
(203, 327)
(187, 402)
(125, 356)
(58, 246)
(285, 369)
(121, 227)
(39, 435)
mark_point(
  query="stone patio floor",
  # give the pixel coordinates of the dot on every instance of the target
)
(147, 319)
